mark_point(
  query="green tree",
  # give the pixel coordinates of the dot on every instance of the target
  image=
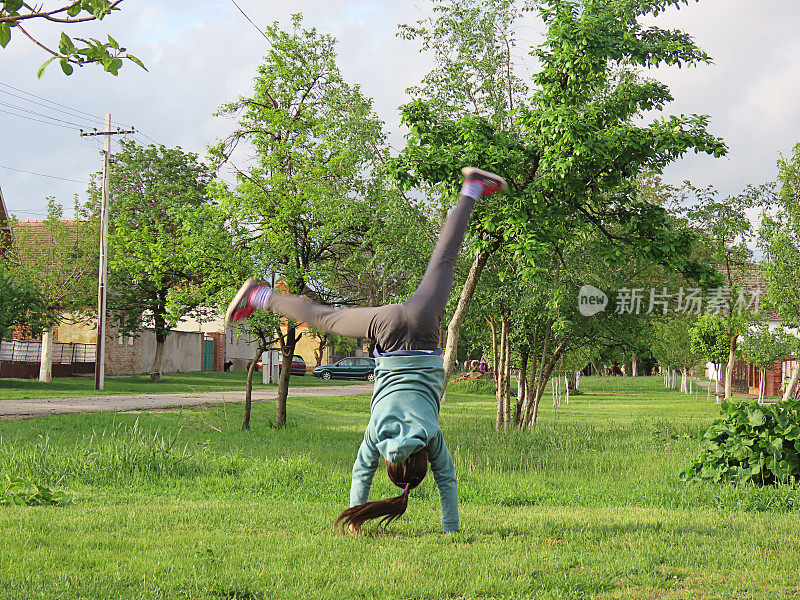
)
(711, 340)
(61, 258)
(672, 345)
(573, 147)
(779, 237)
(78, 51)
(21, 302)
(310, 194)
(170, 248)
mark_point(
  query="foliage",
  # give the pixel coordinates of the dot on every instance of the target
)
(763, 347)
(13, 493)
(21, 302)
(779, 237)
(57, 259)
(673, 344)
(751, 443)
(710, 338)
(109, 54)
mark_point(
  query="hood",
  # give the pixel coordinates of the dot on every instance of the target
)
(399, 440)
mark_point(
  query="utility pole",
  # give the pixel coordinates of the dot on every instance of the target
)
(100, 347)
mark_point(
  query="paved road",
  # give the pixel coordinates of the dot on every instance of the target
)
(40, 407)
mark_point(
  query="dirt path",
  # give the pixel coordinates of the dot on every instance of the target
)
(40, 407)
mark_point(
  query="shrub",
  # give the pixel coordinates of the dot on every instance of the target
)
(751, 443)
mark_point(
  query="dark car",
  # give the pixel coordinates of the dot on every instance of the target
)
(352, 367)
(298, 365)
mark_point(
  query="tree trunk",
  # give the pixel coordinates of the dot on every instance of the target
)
(248, 395)
(499, 374)
(789, 391)
(320, 350)
(717, 368)
(761, 387)
(634, 367)
(543, 377)
(684, 381)
(597, 370)
(288, 344)
(729, 369)
(155, 371)
(46, 356)
(454, 327)
(522, 384)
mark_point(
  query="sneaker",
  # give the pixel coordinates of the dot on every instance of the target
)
(491, 183)
(240, 307)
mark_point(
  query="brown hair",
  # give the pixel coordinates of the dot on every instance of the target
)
(406, 475)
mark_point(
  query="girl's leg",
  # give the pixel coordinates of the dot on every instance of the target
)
(350, 322)
(425, 308)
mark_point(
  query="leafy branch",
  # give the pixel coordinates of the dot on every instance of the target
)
(109, 54)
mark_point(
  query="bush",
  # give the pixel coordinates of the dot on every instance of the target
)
(751, 443)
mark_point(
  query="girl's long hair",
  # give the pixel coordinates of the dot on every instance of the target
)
(406, 475)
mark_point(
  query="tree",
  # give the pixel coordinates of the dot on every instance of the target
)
(310, 194)
(59, 259)
(671, 343)
(763, 348)
(711, 340)
(170, 249)
(261, 325)
(21, 302)
(109, 54)
(779, 237)
(572, 148)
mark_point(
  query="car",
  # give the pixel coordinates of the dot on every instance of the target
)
(298, 365)
(351, 367)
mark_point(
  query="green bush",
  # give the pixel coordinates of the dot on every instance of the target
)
(751, 443)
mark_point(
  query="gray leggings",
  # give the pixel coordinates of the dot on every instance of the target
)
(412, 325)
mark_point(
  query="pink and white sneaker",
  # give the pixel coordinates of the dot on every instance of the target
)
(240, 307)
(492, 184)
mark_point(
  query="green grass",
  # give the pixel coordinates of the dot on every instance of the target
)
(585, 505)
(172, 383)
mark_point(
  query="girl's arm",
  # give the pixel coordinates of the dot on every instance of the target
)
(363, 471)
(444, 473)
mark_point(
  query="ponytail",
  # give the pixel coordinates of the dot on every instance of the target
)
(406, 475)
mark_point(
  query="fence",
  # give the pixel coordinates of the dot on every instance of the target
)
(31, 352)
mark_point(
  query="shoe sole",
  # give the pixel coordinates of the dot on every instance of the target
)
(247, 286)
(466, 171)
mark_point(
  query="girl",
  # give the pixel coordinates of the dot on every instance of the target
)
(409, 371)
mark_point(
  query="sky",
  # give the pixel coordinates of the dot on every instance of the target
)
(200, 55)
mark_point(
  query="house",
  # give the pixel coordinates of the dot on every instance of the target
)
(747, 377)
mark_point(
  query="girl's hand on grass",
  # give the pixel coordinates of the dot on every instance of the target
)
(353, 529)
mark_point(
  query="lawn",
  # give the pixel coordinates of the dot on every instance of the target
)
(171, 383)
(586, 505)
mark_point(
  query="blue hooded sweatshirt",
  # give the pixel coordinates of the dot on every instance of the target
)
(405, 419)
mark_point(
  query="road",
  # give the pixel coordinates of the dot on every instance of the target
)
(41, 407)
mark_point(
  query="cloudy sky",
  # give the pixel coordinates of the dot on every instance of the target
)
(201, 54)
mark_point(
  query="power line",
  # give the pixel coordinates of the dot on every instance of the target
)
(42, 104)
(251, 21)
(39, 120)
(38, 114)
(42, 175)
(51, 101)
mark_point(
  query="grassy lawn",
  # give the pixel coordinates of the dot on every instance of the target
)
(586, 505)
(172, 383)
